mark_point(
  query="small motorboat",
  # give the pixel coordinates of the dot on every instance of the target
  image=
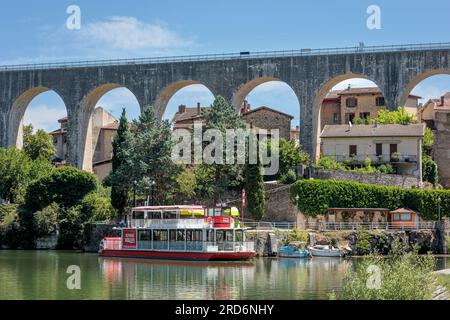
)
(294, 250)
(326, 251)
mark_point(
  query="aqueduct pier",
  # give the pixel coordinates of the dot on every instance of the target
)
(310, 73)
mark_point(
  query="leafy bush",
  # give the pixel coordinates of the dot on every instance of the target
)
(65, 186)
(96, 207)
(298, 235)
(45, 221)
(316, 196)
(329, 163)
(289, 177)
(400, 277)
(70, 228)
(363, 246)
(429, 170)
(386, 169)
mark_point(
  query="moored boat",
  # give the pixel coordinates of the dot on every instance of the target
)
(181, 233)
(294, 250)
(326, 251)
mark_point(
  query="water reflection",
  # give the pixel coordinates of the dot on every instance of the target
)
(42, 275)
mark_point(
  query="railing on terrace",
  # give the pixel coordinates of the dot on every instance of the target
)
(324, 226)
(229, 56)
(378, 159)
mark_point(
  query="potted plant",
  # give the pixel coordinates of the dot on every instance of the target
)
(395, 157)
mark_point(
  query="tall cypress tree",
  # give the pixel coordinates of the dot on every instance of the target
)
(119, 192)
(255, 191)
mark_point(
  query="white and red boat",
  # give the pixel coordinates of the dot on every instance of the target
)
(181, 233)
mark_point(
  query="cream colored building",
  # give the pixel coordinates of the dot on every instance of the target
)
(398, 145)
(343, 106)
(103, 127)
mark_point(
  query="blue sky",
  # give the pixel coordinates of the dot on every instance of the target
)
(34, 31)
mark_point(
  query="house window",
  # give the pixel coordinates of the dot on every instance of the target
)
(406, 217)
(336, 117)
(396, 217)
(379, 149)
(380, 102)
(364, 115)
(352, 102)
(353, 150)
(393, 149)
(349, 117)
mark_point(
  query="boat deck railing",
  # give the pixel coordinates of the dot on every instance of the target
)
(169, 223)
(229, 56)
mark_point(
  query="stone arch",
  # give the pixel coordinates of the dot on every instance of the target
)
(169, 91)
(243, 91)
(84, 123)
(414, 82)
(324, 89)
(17, 112)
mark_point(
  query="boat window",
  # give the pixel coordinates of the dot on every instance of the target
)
(220, 235)
(138, 215)
(173, 235)
(218, 212)
(239, 236)
(154, 215)
(210, 235)
(189, 235)
(210, 212)
(160, 235)
(406, 217)
(169, 215)
(229, 235)
(197, 235)
(145, 235)
(180, 236)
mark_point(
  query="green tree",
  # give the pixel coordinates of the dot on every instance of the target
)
(428, 141)
(429, 170)
(119, 187)
(204, 181)
(255, 191)
(66, 186)
(186, 182)
(45, 221)
(291, 156)
(223, 116)
(399, 116)
(17, 171)
(39, 144)
(147, 158)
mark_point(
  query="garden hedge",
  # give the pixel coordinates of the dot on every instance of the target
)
(314, 197)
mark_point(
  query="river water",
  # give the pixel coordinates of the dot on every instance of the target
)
(43, 275)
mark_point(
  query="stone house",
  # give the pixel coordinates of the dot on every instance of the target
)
(185, 117)
(103, 129)
(268, 119)
(398, 145)
(343, 106)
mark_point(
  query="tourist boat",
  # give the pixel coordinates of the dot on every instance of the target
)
(181, 233)
(294, 250)
(326, 251)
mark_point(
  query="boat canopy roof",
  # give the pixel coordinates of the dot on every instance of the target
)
(186, 210)
(168, 208)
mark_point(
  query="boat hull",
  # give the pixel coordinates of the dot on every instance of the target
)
(326, 253)
(189, 256)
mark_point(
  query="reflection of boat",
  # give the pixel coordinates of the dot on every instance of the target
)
(294, 250)
(181, 233)
(326, 251)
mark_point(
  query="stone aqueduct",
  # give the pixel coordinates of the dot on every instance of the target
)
(310, 73)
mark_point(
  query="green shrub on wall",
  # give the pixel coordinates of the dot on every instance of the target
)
(314, 197)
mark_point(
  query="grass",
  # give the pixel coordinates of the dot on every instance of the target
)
(444, 280)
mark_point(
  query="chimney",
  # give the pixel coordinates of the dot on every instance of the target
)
(349, 87)
(182, 108)
(199, 108)
(297, 128)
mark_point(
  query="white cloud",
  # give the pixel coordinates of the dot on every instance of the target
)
(44, 116)
(128, 33)
(355, 83)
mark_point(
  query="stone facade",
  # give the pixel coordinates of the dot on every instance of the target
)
(393, 180)
(342, 106)
(441, 148)
(268, 119)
